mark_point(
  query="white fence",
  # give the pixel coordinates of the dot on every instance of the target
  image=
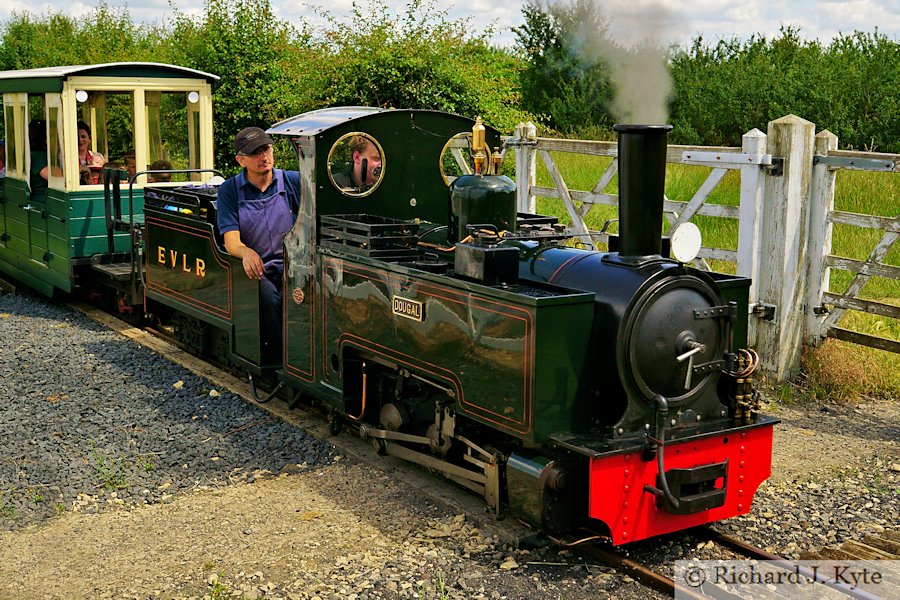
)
(785, 220)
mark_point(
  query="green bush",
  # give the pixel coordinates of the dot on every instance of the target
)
(424, 61)
(105, 34)
(848, 87)
(271, 70)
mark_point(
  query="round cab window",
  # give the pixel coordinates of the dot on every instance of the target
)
(356, 164)
(456, 157)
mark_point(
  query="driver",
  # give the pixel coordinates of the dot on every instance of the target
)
(256, 208)
(365, 166)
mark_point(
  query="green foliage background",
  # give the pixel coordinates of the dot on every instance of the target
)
(421, 58)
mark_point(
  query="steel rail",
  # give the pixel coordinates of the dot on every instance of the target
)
(757, 553)
(640, 572)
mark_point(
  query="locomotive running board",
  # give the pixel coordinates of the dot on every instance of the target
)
(486, 485)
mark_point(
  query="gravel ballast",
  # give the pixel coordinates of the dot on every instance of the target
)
(91, 419)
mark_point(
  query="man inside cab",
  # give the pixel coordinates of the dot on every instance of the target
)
(364, 168)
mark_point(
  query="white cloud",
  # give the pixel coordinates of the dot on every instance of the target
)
(714, 19)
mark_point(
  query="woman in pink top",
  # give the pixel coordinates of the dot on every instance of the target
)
(86, 158)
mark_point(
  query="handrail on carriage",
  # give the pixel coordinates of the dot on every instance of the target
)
(112, 201)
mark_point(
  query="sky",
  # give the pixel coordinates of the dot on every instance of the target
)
(678, 21)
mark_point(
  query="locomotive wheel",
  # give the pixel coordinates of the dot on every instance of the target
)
(378, 446)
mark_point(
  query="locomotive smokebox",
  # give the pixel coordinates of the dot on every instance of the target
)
(642, 178)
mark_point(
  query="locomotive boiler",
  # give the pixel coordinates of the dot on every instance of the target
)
(570, 387)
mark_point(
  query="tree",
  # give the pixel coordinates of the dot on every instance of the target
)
(565, 81)
(244, 43)
(424, 61)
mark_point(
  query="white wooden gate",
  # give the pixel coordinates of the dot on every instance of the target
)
(784, 225)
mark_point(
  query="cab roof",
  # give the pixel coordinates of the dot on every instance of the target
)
(50, 79)
(317, 121)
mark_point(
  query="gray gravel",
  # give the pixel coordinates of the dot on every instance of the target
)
(90, 419)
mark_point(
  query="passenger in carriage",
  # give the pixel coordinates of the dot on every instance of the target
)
(160, 165)
(256, 208)
(130, 164)
(89, 163)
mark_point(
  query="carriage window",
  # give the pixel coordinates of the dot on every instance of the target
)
(12, 166)
(173, 133)
(114, 127)
(105, 118)
(356, 164)
(14, 106)
(37, 146)
(456, 157)
(55, 146)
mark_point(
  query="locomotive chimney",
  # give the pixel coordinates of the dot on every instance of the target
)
(642, 176)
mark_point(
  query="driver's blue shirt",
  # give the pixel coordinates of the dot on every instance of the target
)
(227, 200)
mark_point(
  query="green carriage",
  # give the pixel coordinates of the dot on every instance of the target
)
(54, 230)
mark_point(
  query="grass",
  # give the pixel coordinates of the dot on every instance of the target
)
(834, 369)
(427, 589)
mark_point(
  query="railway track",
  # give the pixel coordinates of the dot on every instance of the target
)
(879, 547)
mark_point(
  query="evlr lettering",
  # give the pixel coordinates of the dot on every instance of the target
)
(197, 266)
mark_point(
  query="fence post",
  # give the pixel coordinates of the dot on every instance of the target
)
(783, 247)
(526, 172)
(750, 221)
(821, 203)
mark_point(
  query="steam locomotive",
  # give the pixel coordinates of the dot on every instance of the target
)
(568, 386)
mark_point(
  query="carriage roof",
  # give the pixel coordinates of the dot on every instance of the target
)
(51, 79)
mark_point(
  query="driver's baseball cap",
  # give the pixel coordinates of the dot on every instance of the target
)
(250, 139)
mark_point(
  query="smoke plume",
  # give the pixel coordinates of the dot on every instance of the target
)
(634, 42)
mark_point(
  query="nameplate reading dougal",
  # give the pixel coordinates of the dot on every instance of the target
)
(411, 309)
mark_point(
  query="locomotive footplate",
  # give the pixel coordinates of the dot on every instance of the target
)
(712, 476)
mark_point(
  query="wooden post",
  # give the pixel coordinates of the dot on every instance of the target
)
(821, 203)
(783, 247)
(525, 144)
(750, 222)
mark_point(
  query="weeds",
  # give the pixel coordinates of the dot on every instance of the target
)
(216, 590)
(426, 589)
(109, 472)
(7, 510)
(146, 464)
